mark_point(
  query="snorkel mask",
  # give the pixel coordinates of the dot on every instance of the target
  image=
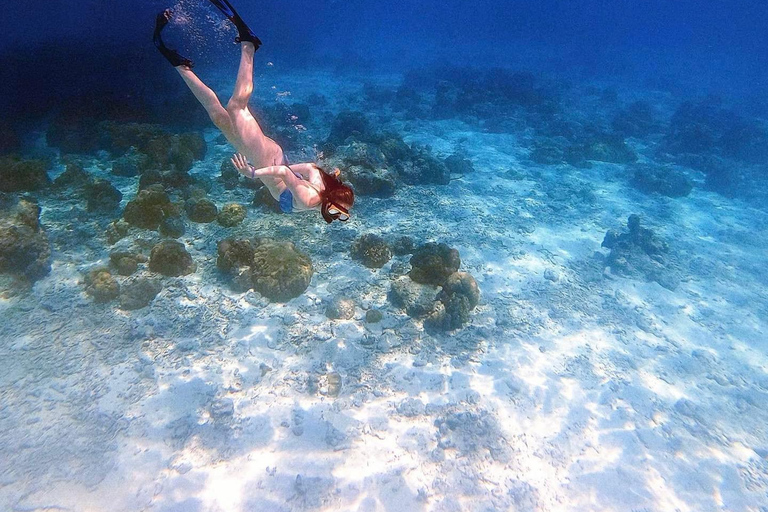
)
(332, 211)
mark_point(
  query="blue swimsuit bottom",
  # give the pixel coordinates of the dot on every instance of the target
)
(286, 198)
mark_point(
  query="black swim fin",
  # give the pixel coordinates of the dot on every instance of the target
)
(243, 31)
(173, 56)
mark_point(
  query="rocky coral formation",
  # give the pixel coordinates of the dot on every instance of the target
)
(403, 245)
(280, 272)
(24, 248)
(432, 263)
(139, 293)
(639, 254)
(171, 258)
(17, 174)
(148, 208)
(374, 162)
(125, 262)
(102, 196)
(229, 176)
(100, 285)
(664, 180)
(73, 176)
(231, 215)
(235, 260)
(371, 250)
(201, 210)
(417, 299)
(340, 309)
(458, 297)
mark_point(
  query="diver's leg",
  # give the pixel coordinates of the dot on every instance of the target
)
(244, 82)
(207, 99)
(172, 55)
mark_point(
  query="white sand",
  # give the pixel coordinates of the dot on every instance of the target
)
(585, 392)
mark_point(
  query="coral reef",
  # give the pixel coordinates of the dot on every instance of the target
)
(231, 215)
(17, 174)
(639, 254)
(139, 293)
(171, 258)
(24, 248)
(148, 209)
(432, 263)
(201, 210)
(417, 299)
(235, 258)
(100, 285)
(664, 180)
(73, 176)
(102, 196)
(280, 272)
(371, 250)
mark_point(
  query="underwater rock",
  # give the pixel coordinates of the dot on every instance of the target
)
(280, 272)
(423, 169)
(403, 245)
(604, 147)
(73, 176)
(139, 293)
(234, 253)
(24, 247)
(126, 166)
(195, 143)
(171, 258)
(17, 174)
(234, 260)
(371, 250)
(667, 181)
(456, 164)
(262, 198)
(432, 263)
(126, 263)
(373, 316)
(371, 182)
(117, 230)
(229, 176)
(639, 119)
(418, 300)
(450, 313)
(340, 309)
(461, 283)
(231, 215)
(102, 196)
(639, 254)
(148, 208)
(172, 226)
(201, 210)
(707, 128)
(348, 125)
(100, 285)
(549, 151)
(459, 295)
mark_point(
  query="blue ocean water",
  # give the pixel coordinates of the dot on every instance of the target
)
(551, 292)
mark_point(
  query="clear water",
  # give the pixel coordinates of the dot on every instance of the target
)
(599, 168)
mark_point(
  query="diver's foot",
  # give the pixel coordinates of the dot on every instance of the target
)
(172, 56)
(244, 33)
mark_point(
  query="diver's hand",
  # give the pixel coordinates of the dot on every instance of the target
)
(242, 165)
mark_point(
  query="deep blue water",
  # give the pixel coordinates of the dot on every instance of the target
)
(59, 49)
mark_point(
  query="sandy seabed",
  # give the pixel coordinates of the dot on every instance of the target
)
(570, 389)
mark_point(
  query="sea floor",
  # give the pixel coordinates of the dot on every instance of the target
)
(570, 389)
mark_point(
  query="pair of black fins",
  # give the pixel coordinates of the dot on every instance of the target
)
(244, 34)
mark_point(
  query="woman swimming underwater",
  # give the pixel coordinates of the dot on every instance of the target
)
(298, 187)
